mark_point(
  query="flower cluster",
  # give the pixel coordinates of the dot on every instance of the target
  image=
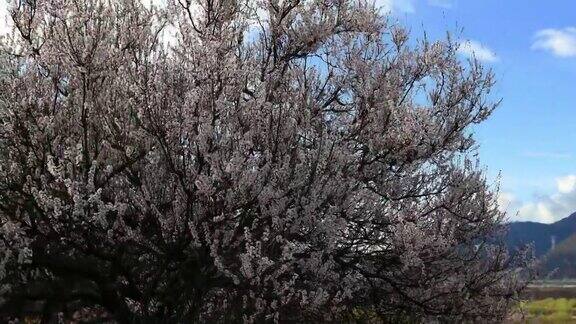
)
(272, 161)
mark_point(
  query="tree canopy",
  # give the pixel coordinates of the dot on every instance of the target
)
(243, 161)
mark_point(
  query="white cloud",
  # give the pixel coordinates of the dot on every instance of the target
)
(471, 48)
(560, 42)
(446, 4)
(505, 199)
(547, 155)
(537, 212)
(396, 5)
(543, 208)
(566, 184)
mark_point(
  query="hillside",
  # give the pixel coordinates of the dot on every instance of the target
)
(542, 236)
(560, 262)
(554, 245)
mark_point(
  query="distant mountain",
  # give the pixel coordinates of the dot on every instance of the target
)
(560, 262)
(542, 236)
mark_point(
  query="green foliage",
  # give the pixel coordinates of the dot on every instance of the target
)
(550, 310)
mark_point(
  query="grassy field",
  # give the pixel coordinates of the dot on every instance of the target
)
(549, 310)
(547, 302)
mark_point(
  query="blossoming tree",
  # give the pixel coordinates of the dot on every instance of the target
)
(228, 160)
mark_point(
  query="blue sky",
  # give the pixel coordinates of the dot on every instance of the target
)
(531, 139)
(531, 46)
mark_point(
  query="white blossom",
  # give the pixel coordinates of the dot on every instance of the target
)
(280, 161)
